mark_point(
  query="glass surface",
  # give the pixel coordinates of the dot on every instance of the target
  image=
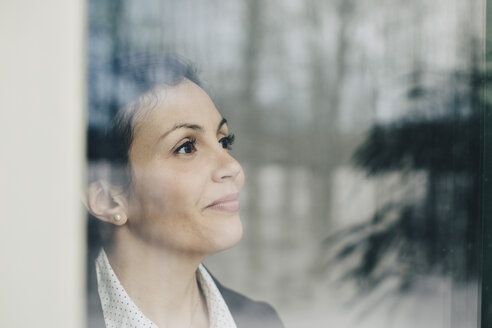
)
(358, 127)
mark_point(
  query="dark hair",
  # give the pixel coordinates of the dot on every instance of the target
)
(139, 78)
(135, 80)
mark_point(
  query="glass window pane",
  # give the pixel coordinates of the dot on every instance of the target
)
(357, 126)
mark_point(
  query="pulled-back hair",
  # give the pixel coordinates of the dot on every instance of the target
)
(135, 81)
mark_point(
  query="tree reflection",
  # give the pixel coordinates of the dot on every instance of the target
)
(437, 232)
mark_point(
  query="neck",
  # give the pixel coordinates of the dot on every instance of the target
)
(161, 282)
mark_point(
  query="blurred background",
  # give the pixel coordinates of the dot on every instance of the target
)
(358, 126)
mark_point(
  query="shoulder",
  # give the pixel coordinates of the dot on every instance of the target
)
(247, 312)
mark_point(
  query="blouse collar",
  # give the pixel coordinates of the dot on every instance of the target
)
(120, 311)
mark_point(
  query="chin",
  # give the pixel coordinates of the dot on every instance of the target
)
(229, 235)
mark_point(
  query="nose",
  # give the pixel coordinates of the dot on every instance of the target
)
(227, 168)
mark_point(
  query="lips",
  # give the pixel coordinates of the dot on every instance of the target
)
(228, 204)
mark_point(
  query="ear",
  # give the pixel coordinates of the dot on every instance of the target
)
(107, 202)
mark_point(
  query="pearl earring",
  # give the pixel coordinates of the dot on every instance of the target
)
(117, 217)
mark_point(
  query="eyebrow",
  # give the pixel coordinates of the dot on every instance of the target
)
(191, 126)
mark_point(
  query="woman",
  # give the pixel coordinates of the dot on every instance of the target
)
(170, 201)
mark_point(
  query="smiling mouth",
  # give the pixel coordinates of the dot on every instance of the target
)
(229, 204)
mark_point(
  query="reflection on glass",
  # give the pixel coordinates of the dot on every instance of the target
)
(358, 132)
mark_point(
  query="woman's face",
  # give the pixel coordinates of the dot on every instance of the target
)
(185, 184)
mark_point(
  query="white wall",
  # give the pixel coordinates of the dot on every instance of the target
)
(42, 101)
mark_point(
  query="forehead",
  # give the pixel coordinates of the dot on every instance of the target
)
(183, 103)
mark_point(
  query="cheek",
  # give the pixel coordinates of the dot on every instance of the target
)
(159, 193)
(152, 191)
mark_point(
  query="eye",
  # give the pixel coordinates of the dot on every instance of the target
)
(227, 142)
(186, 148)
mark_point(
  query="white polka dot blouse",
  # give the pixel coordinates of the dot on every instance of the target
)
(120, 312)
